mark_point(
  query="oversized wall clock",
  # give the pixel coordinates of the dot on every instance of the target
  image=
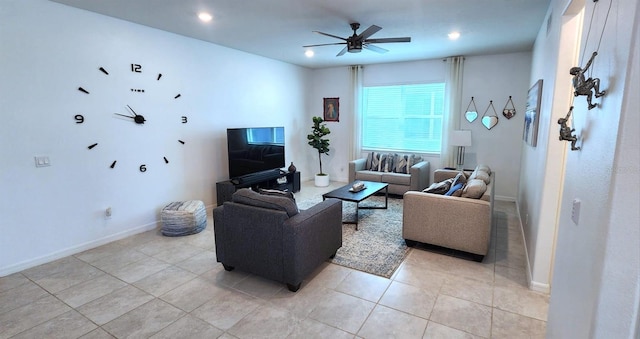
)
(139, 103)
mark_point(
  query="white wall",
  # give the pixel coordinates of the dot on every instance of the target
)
(48, 50)
(491, 77)
(496, 77)
(543, 166)
(596, 272)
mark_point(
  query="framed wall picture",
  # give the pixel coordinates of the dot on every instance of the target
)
(331, 109)
(532, 114)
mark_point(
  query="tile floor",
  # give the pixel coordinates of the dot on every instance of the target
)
(152, 286)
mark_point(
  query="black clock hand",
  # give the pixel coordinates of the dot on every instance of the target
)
(126, 116)
(138, 119)
(132, 111)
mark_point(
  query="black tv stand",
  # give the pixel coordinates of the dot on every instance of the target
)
(269, 180)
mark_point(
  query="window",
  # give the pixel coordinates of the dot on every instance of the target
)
(403, 117)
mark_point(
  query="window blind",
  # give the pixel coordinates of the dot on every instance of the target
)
(403, 117)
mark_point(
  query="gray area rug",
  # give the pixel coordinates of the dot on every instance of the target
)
(377, 247)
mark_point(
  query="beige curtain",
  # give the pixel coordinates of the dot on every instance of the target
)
(452, 100)
(356, 99)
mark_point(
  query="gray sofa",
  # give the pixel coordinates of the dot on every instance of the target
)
(266, 235)
(453, 222)
(399, 182)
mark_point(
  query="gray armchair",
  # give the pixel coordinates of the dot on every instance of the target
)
(267, 236)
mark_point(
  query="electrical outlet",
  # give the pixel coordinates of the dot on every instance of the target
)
(42, 161)
(107, 213)
(575, 211)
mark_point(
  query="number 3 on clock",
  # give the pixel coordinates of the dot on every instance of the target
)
(136, 68)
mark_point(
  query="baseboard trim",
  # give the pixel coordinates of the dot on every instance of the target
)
(4, 271)
(505, 198)
(533, 285)
(538, 287)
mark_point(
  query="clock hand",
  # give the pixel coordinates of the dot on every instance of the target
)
(132, 111)
(126, 116)
(139, 119)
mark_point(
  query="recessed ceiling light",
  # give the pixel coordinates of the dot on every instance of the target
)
(309, 53)
(204, 16)
(454, 35)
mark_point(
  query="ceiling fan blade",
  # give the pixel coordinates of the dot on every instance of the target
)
(369, 32)
(335, 43)
(342, 52)
(386, 40)
(375, 48)
(331, 35)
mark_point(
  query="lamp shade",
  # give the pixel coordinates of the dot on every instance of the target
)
(460, 138)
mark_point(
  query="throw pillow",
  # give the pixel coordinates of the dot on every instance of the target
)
(454, 188)
(484, 176)
(386, 162)
(474, 189)
(412, 160)
(484, 168)
(374, 165)
(461, 178)
(248, 197)
(400, 163)
(441, 187)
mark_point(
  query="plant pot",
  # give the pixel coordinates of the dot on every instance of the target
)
(322, 180)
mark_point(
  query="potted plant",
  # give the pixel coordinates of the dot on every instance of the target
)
(318, 131)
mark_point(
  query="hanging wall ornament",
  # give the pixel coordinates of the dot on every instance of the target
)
(566, 133)
(471, 115)
(490, 121)
(507, 111)
(587, 85)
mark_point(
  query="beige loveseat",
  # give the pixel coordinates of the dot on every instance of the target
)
(402, 172)
(453, 222)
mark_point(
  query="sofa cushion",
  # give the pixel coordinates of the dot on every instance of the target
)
(278, 193)
(439, 187)
(455, 188)
(248, 197)
(396, 178)
(481, 175)
(474, 189)
(369, 175)
(484, 168)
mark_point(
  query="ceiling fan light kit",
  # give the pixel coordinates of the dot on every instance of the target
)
(356, 42)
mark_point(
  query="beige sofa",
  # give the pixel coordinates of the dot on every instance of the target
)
(399, 183)
(458, 223)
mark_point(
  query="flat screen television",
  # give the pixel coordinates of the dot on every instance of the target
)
(253, 150)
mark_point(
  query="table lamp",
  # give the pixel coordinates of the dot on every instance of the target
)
(460, 138)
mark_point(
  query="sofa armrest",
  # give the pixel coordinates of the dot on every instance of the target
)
(459, 223)
(419, 176)
(310, 238)
(354, 166)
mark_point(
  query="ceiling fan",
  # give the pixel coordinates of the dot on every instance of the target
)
(357, 42)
